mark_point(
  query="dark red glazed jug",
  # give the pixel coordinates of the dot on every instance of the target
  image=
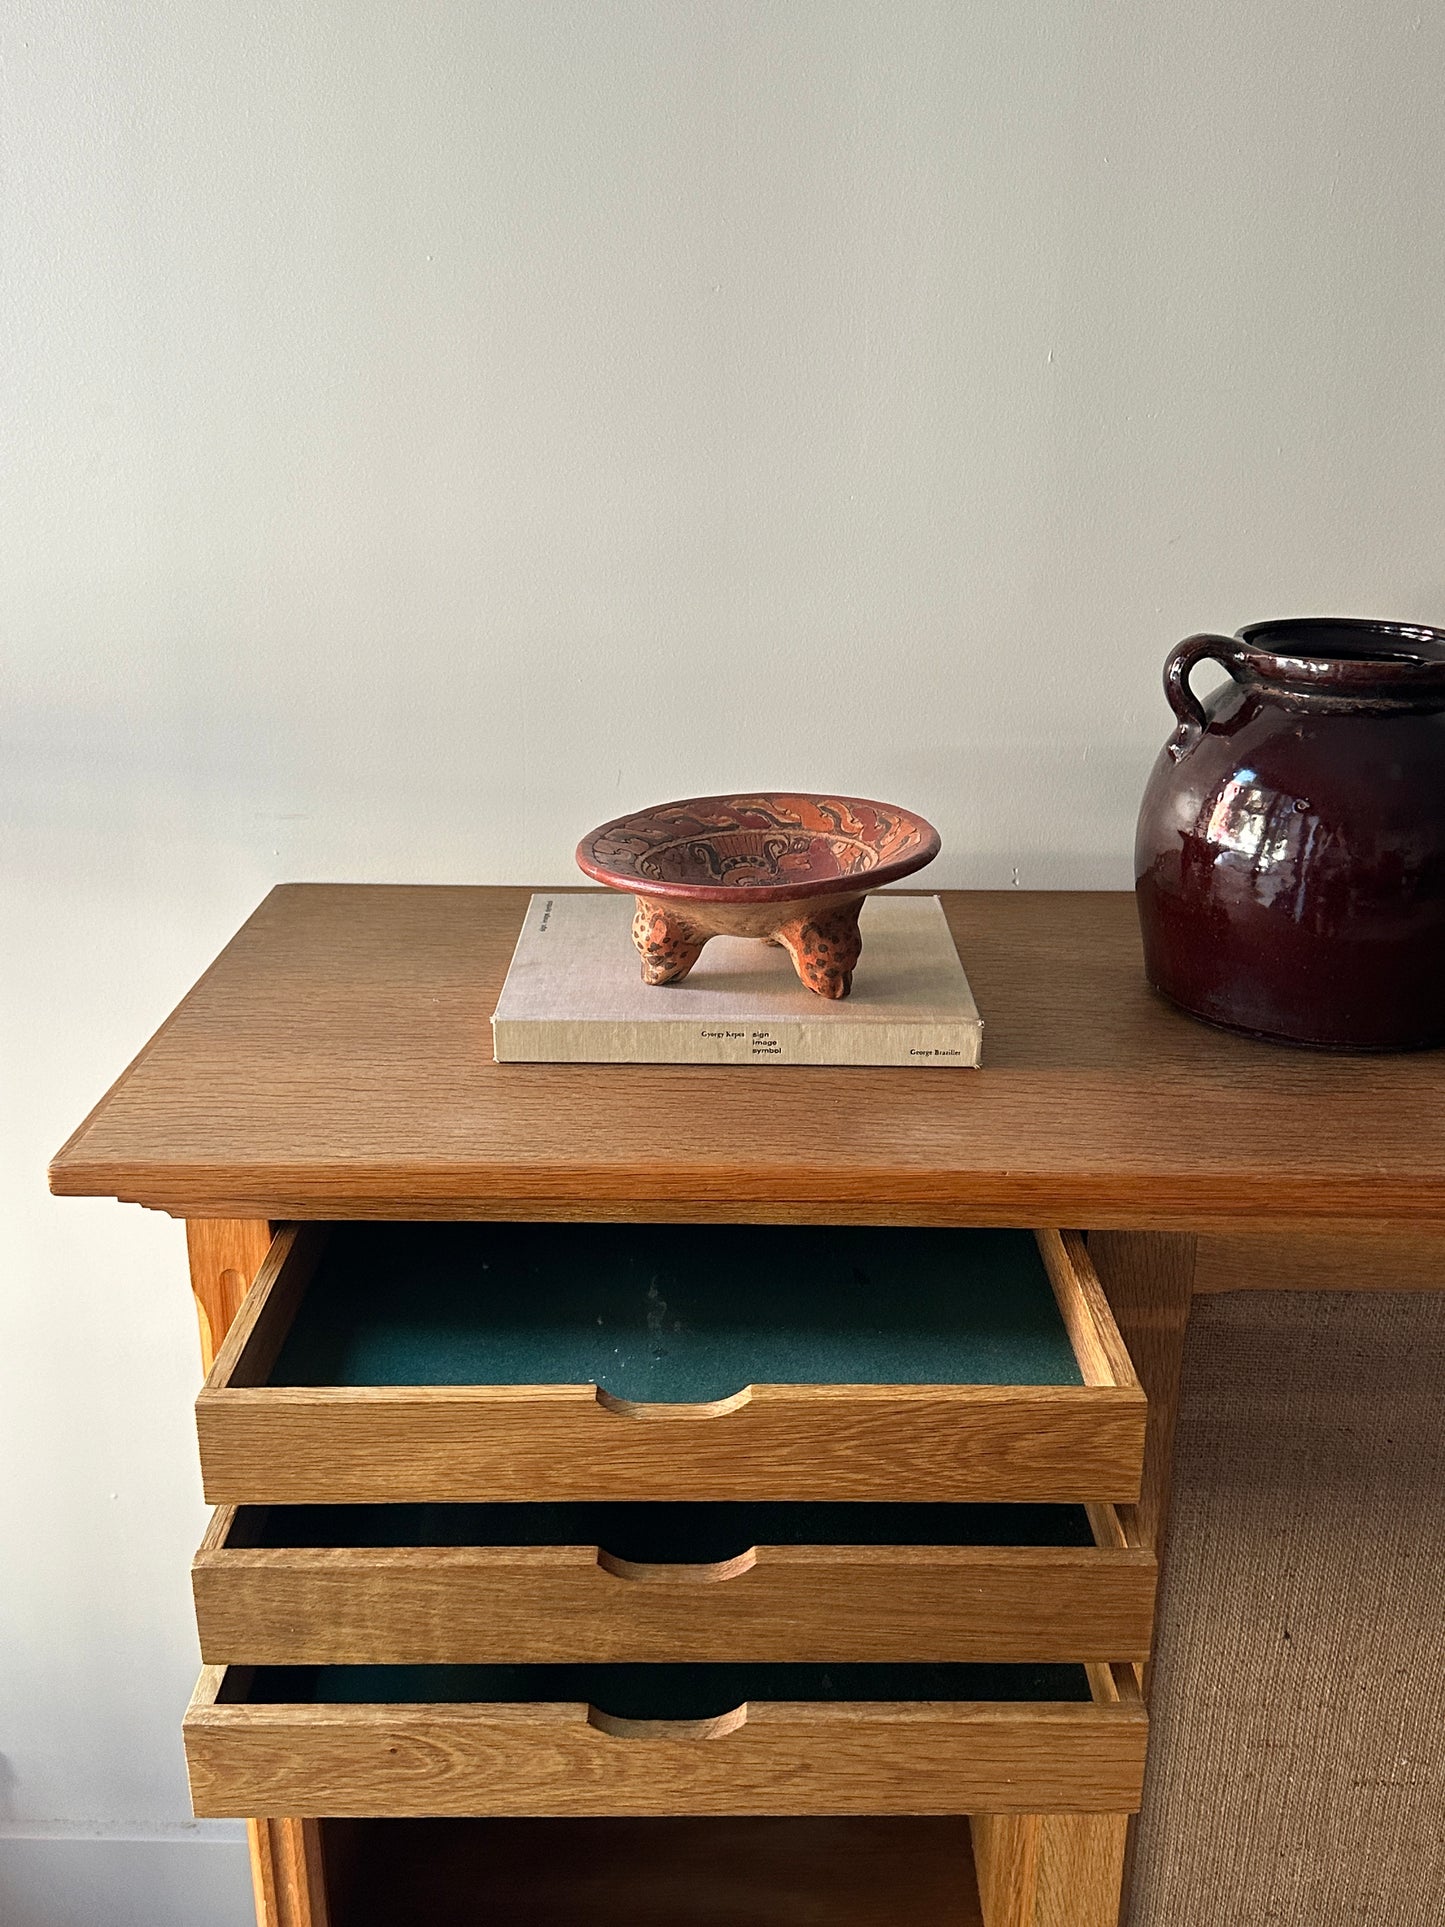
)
(1290, 857)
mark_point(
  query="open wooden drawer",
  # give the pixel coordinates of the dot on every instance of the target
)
(475, 1584)
(654, 1739)
(493, 1362)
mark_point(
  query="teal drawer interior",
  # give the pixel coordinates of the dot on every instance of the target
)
(675, 1313)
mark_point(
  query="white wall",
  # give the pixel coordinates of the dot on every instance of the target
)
(432, 426)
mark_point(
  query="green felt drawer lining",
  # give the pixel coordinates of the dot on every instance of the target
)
(660, 1534)
(676, 1313)
(659, 1692)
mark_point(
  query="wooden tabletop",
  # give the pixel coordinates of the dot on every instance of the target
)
(336, 1061)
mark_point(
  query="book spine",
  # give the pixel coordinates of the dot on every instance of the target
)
(555, 1041)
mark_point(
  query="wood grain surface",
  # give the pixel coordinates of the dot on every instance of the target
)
(1387, 1257)
(1049, 1869)
(302, 1445)
(226, 1256)
(1099, 1347)
(337, 1605)
(755, 1872)
(348, 1026)
(456, 1758)
(1149, 1278)
(288, 1879)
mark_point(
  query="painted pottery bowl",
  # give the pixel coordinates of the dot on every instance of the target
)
(788, 868)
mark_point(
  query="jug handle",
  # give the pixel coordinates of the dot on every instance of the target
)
(1224, 650)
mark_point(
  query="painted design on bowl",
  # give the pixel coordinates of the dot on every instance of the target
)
(789, 868)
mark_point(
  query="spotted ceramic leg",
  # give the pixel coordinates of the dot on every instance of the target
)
(668, 943)
(825, 947)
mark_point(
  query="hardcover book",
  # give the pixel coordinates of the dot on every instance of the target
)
(574, 995)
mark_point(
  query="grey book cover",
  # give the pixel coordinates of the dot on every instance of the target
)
(574, 995)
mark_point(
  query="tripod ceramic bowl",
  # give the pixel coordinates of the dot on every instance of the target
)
(789, 869)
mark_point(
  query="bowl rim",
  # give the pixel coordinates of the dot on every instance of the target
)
(638, 886)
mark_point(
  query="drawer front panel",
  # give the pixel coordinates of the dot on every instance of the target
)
(1046, 1444)
(846, 1758)
(455, 1605)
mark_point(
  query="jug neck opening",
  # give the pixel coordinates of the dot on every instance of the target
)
(1346, 661)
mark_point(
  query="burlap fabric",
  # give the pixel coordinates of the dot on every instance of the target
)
(1297, 1768)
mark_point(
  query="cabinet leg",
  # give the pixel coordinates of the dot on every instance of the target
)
(1148, 1278)
(286, 1871)
(225, 1255)
(1049, 1869)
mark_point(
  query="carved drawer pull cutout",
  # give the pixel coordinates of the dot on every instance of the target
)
(716, 1728)
(648, 1408)
(650, 1573)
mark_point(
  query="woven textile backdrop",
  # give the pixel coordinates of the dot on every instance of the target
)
(1298, 1762)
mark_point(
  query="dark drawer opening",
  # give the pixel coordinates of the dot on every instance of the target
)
(654, 1692)
(757, 1872)
(660, 1533)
